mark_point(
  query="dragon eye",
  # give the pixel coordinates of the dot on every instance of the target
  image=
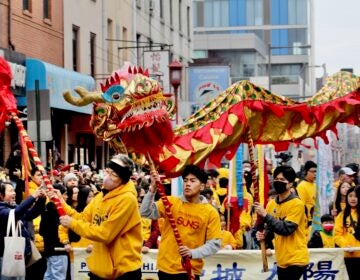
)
(114, 93)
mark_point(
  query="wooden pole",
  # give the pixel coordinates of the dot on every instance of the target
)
(259, 221)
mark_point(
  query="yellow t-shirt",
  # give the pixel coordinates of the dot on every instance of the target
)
(344, 235)
(227, 239)
(146, 228)
(307, 193)
(291, 249)
(327, 240)
(239, 238)
(196, 222)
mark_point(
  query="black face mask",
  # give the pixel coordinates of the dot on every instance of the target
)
(279, 186)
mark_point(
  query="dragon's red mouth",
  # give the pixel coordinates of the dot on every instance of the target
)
(136, 121)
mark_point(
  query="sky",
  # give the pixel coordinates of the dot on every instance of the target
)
(337, 35)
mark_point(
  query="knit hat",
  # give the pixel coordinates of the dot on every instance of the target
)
(309, 164)
(70, 176)
(122, 165)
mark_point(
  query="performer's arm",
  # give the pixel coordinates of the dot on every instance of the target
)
(209, 248)
(281, 227)
(148, 207)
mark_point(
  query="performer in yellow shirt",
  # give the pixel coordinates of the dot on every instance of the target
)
(347, 232)
(340, 198)
(306, 189)
(288, 222)
(323, 238)
(112, 221)
(228, 241)
(197, 221)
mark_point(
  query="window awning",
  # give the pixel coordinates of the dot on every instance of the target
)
(57, 80)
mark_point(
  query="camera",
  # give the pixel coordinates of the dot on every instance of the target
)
(283, 157)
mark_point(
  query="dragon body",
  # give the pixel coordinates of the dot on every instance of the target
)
(132, 114)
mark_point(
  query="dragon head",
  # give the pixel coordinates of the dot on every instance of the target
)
(131, 112)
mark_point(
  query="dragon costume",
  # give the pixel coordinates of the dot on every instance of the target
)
(131, 113)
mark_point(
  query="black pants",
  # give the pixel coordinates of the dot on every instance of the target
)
(352, 267)
(180, 276)
(132, 275)
(293, 272)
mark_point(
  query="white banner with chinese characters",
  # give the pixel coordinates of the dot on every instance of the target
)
(325, 264)
(247, 265)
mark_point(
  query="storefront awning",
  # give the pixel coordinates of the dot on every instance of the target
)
(57, 80)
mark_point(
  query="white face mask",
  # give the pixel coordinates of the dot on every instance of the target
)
(109, 183)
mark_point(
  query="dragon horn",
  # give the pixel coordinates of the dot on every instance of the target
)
(85, 98)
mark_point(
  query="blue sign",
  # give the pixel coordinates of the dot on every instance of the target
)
(206, 82)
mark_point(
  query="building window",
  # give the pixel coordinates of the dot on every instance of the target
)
(92, 53)
(188, 22)
(27, 5)
(180, 16)
(110, 43)
(292, 12)
(170, 12)
(138, 50)
(198, 13)
(47, 9)
(161, 9)
(290, 38)
(75, 47)
(285, 73)
(217, 13)
(223, 13)
(125, 38)
(297, 12)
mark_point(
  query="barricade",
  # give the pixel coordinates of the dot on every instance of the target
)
(239, 265)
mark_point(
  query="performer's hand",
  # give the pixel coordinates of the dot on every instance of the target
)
(89, 248)
(54, 193)
(66, 221)
(228, 247)
(17, 172)
(153, 179)
(68, 248)
(39, 192)
(185, 251)
(260, 235)
(269, 252)
(334, 212)
(259, 209)
(145, 249)
(42, 193)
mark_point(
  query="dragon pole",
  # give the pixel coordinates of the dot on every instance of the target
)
(259, 220)
(25, 137)
(185, 261)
